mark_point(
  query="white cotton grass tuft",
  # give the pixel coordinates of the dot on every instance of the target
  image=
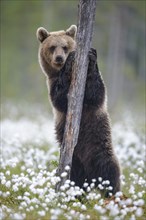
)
(28, 176)
(67, 168)
(64, 174)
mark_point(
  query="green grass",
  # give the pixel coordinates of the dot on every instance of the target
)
(28, 180)
(14, 203)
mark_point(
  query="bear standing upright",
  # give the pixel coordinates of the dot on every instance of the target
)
(93, 155)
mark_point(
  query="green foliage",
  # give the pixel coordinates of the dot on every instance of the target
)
(21, 76)
(28, 173)
(14, 203)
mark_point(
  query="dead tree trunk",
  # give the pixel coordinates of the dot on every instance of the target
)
(76, 93)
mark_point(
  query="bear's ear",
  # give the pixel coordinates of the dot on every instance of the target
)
(42, 34)
(71, 31)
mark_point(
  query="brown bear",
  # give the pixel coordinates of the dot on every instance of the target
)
(93, 155)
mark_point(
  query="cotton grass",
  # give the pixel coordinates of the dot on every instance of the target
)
(28, 177)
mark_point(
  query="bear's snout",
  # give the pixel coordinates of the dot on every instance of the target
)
(59, 59)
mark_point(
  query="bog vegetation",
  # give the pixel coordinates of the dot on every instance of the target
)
(29, 152)
(119, 38)
(28, 166)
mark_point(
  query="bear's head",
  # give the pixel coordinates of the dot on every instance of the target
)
(55, 47)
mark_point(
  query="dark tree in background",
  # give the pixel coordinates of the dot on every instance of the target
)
(76, 93)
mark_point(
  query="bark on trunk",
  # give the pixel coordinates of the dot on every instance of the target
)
(86, 17)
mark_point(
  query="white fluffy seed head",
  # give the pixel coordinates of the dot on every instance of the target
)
(100, 179)
(67, 168)
(64, 174)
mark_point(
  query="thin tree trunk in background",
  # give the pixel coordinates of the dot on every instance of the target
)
(115, 59)
(76, 94)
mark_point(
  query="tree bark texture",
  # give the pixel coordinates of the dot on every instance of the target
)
(86, 17)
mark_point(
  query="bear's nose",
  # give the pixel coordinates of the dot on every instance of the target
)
(59, 59)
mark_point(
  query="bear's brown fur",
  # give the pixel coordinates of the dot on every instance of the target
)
(55, 48)
(93, 155)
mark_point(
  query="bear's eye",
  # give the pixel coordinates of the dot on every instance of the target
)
(65, 49)
(52, 48)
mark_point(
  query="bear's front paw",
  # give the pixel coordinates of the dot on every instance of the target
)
(67, 69)
(71, 58)
(65, 79)
(92, 55)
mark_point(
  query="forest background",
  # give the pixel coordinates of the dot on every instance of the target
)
(119, 37)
